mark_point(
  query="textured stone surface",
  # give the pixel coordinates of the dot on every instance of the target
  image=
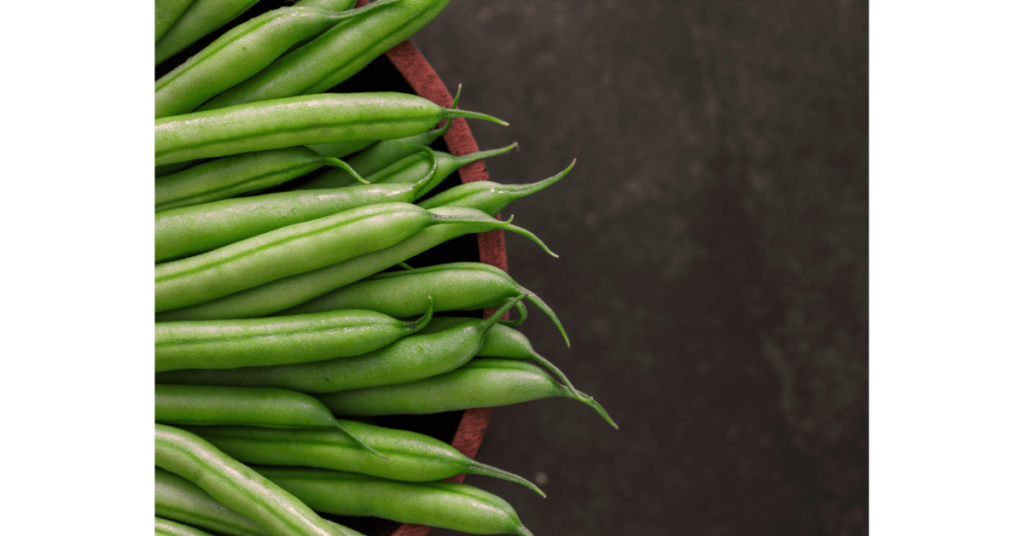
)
(713, 276)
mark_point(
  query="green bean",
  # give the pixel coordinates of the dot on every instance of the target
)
(183, 501)
(163, 171)
(234, 175)
(499, 341)
(410, 359)
(341, 149)
(242, 52)
(481, 383)
(167, 12)
(304, 120)
(438, 504)
(291, 250)
(333, 57)
(273, 408)
(410, 169)
(386, 152)
(291, 291)
(277, 340)
(166, 527)
(413, 457)
(488, 196)
(333, 5)
(236, 486)
(201, 18)
(459, 286)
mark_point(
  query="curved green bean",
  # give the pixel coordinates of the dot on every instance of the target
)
(291, 250)
(304, 120)
(167, 12)
(333, 57)
(386, 152)
(437, 504)
(413, 457)
(236, 486)
(201, 18)
(342, 148)
(460, 286)
(182, 501)
(238, 174)
(481, 383)
(166, 527)
(488, 196)
(291, 291)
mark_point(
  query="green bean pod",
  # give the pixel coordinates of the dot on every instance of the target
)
(304, 120)
(238, 174)
(460, 286)
(169, 169)
(182, 501)
(272, 408)
(200, 228)
(386, 152)
(167, 12)
(481, 383)
(341, 149)
(166, 527)
(447, 505)
(242, 52)
(333, 57)
(291, 250)
(236, 486)
(291, 291)
(408, 360)
(276, 340)
(488, 196)
(201, 18)
(409, 169)
(413, 457)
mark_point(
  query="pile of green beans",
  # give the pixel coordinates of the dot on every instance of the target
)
(287, 317)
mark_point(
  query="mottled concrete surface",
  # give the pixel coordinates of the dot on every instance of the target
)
(714, 256)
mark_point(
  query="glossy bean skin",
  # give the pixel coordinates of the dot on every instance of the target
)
(167, 12)
(462, 286)
(241, 53)
(481, 383)
(236, 486)
(410, 359)
(303, 120)
(288, 251)
(341, 149)
(386, 152)
(334, 56)
(277, 340)
(201, 18)
(242, 406)
(166, 527)
(488, 196)
(237, 174)
(169, 169)
(180, 500)
(437, 504)
(199, 228)
(409, 169)
(413, 457)
(281, 294)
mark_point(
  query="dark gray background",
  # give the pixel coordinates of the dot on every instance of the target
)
(714, 256)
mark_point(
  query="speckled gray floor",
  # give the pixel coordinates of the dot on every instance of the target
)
(714, 256)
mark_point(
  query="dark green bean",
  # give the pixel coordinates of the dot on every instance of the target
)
(288, 292)
(304, 120)
(242, 52)
(413, 457)
(163, 171)
(183, 501)
(460, 286)
(437, 504)
(386, 152)
(292, 250)
(488, 196)
(236, 486)
(499, 341)
(342, 148)
(167, 12)
(409, 169)
(195, 229)
(333, 57)
(410, 359)
(238, 174)
(166, 527)
(481, 383)
(201, 18)
(276, 340)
